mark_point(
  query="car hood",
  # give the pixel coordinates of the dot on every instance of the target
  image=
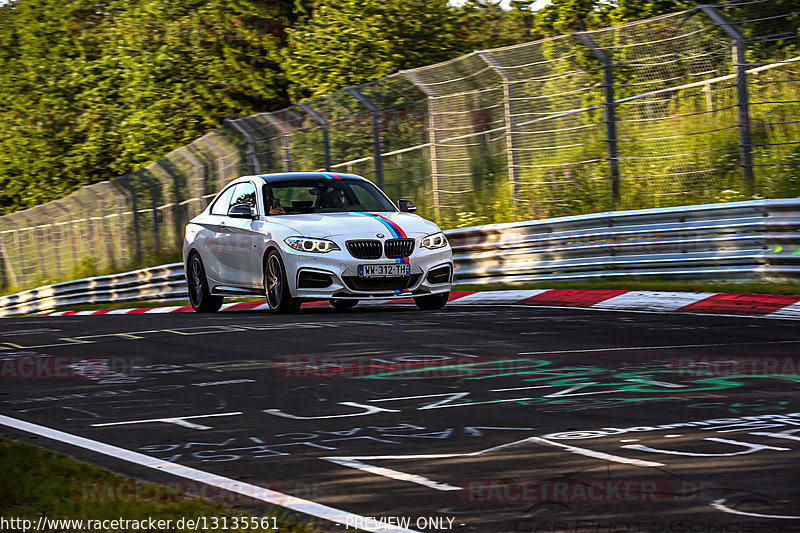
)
(359, 224)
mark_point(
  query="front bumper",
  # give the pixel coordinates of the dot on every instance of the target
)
(342, 270)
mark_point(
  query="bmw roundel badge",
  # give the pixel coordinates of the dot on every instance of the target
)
(380, 235)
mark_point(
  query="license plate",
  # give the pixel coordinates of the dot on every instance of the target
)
(382, 271)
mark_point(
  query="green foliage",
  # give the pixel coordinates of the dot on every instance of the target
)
(55, 486)
(89, 94)
(349, 42)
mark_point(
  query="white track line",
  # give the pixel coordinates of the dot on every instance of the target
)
(252, 491)
(720, 505)
(596, 454)
(391, 473)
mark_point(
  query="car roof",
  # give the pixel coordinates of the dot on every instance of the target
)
(285, 176)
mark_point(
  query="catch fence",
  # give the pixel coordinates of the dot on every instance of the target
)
(694, 107)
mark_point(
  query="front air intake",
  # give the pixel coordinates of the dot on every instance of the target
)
(364, 249)
(394, 248)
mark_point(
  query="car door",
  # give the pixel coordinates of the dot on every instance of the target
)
(217, 240)
(244, 260)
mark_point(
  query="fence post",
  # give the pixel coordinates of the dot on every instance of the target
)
(435, 171)
(62, 232)
(253, 167)
(326, 144)
(53, 233)
(177, 216)
(122, 183)
(282, 128)
(218, 155)
(154, 205)
(609, 112)
(104, 226)
(89, 227)
(8, 277)
(199, 176)
(742, 96)
(508, 113)
(377, 159)
(20, 256)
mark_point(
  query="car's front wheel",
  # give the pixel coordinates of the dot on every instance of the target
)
(279, 298)
(342, 304)
(199, 294)
(432, 302)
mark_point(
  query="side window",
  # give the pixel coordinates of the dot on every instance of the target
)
(220, 207)
(245, 194)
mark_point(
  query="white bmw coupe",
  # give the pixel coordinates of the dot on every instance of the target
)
(304, 236)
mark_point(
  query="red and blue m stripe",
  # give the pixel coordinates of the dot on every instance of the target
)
(396, 231)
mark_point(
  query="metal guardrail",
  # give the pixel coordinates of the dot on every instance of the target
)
(161, 282)
(741, 241)
(721, 242)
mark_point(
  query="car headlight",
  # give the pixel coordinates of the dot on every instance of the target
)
(437, 240)
(306, 244)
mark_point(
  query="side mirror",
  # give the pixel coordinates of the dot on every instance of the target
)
(406, 205)
(241, 211)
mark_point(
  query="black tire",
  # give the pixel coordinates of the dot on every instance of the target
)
(276, 288)
(432, 302)
(199, 294)
(341, 304)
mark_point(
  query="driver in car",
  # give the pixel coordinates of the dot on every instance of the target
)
(333, 199)
(274, 205)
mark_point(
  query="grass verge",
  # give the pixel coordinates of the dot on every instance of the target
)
(42, 483)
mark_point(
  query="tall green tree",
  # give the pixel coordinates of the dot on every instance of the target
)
(484, 24)
(93, 90)
(349, 42)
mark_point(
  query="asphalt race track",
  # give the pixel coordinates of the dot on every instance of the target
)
(479, 419)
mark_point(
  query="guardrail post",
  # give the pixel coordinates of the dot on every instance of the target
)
(511, 151)
(154, 202)
(435, 170)
(610, 116)
(326, 144)
(377, 160)
(253, 167)
(282, 128)
(121, 182)
(742, 96)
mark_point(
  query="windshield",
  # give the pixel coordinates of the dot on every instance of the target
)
(323, 196)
